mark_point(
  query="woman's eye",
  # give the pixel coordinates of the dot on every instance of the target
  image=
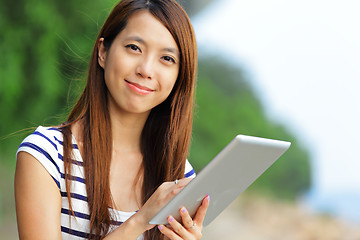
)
(169, 59)
(133, 47)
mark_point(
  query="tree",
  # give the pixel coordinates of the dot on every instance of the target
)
(226, 106)
(45, 46)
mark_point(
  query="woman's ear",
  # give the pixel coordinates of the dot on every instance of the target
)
(101, 53)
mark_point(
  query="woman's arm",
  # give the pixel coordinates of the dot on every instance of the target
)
(38, 204)
(139, 222)
(38, 200)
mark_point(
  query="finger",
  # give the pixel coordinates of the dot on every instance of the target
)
(201, 212)
(168, 232)
(179, 185)
(189, 224)
(178, 228)
(183, 182)
(168, 190)
(186, 219)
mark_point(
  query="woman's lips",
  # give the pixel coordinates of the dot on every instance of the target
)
(139, 88)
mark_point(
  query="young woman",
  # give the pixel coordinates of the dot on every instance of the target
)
(105, 172)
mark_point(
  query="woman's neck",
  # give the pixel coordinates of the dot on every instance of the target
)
(126, 129)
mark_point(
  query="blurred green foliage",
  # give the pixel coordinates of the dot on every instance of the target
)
(45, 47)
(227, 106)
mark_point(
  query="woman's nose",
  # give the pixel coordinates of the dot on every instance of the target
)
(146, 68)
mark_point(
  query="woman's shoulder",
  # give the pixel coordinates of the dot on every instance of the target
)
(45, 145)
(46, 141)
(52, 131)
(189, 170)
(44, 136)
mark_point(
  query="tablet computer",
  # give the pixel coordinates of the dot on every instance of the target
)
(233, 170)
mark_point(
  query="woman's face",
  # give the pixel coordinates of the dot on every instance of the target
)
(141, 66)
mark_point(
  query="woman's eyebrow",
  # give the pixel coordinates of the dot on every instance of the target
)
(172, 50)
(136, 39)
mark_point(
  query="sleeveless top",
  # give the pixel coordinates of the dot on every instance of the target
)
(46, 145)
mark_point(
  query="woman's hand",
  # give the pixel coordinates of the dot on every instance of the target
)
(139, 222)
(158, 200)
(190, 229)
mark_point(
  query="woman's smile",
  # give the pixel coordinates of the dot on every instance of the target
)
(138, 88)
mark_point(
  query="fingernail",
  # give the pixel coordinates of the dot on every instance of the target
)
(160, 227)
(208, 198)
(183, 210)
(171, 219)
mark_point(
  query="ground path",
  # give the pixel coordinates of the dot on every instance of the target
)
(256, 218)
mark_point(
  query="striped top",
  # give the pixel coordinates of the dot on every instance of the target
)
(46, 145)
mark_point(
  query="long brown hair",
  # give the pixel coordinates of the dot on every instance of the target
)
(166, 135)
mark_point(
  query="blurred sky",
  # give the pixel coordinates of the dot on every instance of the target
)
(304, 61)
